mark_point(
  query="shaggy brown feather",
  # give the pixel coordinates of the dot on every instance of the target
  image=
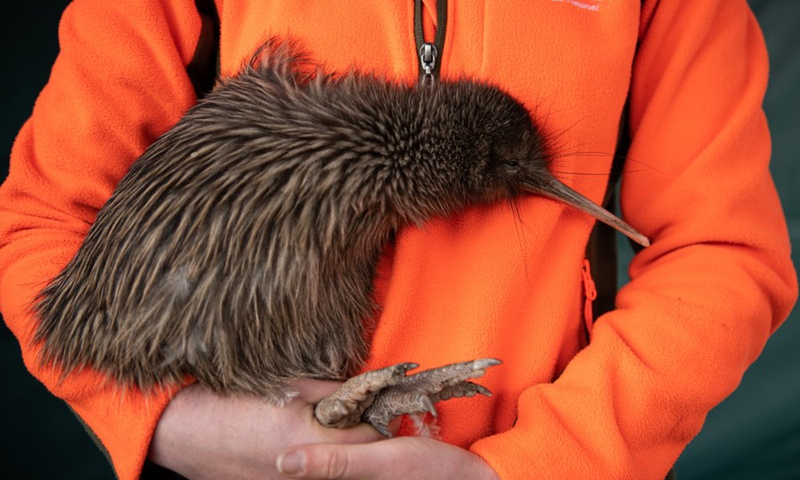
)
(241, 247)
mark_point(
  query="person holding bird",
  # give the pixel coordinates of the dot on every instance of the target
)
(402, 179)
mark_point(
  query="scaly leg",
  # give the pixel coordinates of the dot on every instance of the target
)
(381, 395)
(344, 408)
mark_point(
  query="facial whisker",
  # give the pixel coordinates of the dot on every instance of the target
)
(519, 224)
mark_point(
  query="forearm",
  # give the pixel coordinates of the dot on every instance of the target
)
(706, 295)
(118, 83)
(202, 435)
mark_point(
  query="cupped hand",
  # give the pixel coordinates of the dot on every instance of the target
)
(405, 458)
(202, 436)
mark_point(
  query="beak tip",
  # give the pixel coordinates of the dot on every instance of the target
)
(629, 232)
(559, 191)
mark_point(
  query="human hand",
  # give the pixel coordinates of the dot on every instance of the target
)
(406, 458)
(202, 435)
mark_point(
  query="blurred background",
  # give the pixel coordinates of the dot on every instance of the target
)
(754, 434)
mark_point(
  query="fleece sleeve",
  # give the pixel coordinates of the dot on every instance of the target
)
(716, 282)
(118, 83)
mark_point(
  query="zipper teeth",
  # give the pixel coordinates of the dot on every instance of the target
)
(438, 37)
(419, 36)
(441, 24)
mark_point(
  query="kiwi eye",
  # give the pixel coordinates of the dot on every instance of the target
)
(512, 164)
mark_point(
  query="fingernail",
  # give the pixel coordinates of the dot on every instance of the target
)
(292, 463)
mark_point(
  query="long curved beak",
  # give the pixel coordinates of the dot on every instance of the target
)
(558, 191)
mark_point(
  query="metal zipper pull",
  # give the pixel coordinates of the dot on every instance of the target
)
(427, 61)
(430, 53)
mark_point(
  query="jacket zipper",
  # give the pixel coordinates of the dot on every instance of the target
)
(430, 54)
(589, 296)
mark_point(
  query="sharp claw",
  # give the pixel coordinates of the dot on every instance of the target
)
(340, 408)
(483, 390)
(404, 367)
(428, 404)
(484, 363)
(383, 430)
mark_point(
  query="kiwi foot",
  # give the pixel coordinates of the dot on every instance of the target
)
(344, 408)
(379, 396)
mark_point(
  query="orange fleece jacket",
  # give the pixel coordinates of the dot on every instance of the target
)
(702, 300)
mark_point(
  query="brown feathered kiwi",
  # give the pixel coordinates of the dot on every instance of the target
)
(241, 247)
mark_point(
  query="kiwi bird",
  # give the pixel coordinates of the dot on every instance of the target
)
(240, 249)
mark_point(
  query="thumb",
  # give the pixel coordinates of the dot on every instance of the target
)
(328, 461)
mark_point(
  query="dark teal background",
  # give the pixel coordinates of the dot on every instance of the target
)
(754, 434)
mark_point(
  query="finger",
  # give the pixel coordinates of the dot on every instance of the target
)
(327, 461)
(314, 390)
(360, 434)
